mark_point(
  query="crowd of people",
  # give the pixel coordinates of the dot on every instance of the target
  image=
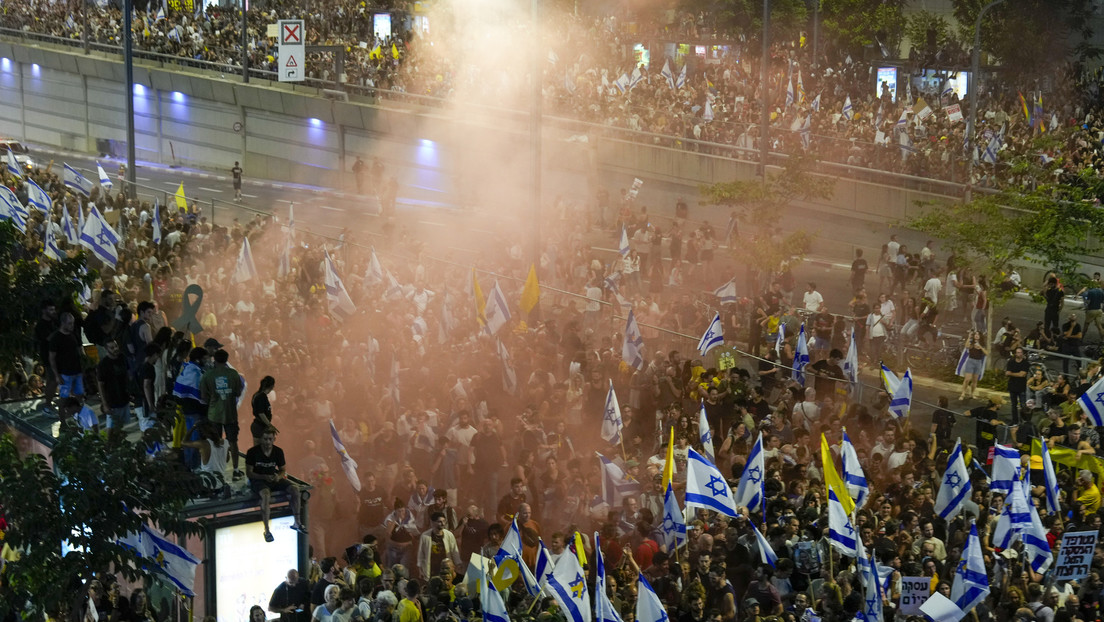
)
(460, 435)
(831, 107)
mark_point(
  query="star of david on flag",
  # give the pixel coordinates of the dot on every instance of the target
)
(706, 486)
(749, 492)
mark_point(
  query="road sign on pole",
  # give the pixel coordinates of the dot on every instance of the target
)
(292, 58)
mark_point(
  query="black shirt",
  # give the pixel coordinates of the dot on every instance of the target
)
(1072, 342)
(262, 464)
(944, 421)
(372, 509)
(66, 351)
(261, 406)
(284, 595)
(1053, 297)
(112, 373)
(986, 431)
(858, 271)
(42, 332)
(147, 372)
(827, 374)
(1015, 383)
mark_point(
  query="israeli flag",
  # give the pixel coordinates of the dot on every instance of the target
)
(542, 569)
(1051, 481)
(955, 487)
(668, 74)
(705, 435)
(156, 223)
(511, 549)
(801, 357)
(96, 237)
(283, 266)
(713, 337)
(789, 92)
(490, 601)
(164, 557)
(394, 291)
(393, 388)
(902, 122)
(569, 588)
(347, 463)
(750, 491)
(841, 533)
(960, 369)
(806, 133)
(971, 583)
(509, 378)
(1007, 470)
(623, 245)
(853, 476)
(766, 552)
(649, 608)
(848, 111)
(726, 293)
(496, 311)
(341, 305)
(71, 233)
(604, 610)
(37, 197)
(611, 418)
(673, 526)
(625, 304)
(632, 349)
(871, 586)
(49, 244)
(245, 270)
(374, 275)
(900, 391)
(707, 114)
(681, 80)
(1092, 402)
(13, 165)
(1036, 545)
(615, 484)
(989, 156)
(8, 209)
(637, 77)
(76, 182)
(947, 91)
(105, 180)
(816, 103)
(1014, 519)
(851, 365)
(706, 486)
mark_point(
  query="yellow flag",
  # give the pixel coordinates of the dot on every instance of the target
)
(832, 480)
(376, 52)
(530, 294)
(669, 464)
(394, 51)
(181, 200)
(480, 301)
(580, 551)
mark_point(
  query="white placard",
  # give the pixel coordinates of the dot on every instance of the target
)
(1076, 555)
(914, 592)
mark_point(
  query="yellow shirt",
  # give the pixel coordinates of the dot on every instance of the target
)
(408, 611)
(1090, 499)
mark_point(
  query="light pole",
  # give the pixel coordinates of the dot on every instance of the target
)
(536, 68)
(764, 89)
(128, 60)
(975, 69)
(245, 41)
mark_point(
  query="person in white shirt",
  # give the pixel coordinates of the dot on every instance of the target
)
(894, 246)
(806, 413)
(813, 299)
(932, 288)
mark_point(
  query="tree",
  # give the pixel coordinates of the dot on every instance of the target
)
(1052, 224)
(852, 24)
(98, 491)
(918, 25)
(24, 286)
(762, 207)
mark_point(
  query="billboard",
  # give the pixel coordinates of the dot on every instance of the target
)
(888, 77)
(248, 569)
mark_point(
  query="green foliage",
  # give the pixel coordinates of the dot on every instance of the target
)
(99, 491)
(24, 286)
(1036, 37)
(852, 24)
(918, 24)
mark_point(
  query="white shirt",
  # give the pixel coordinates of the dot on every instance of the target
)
(932, 287)
(894, 246)
(593, 296)
(813, 300)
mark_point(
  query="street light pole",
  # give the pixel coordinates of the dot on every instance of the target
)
(128, 61)
(764, 89)
(245, 41)
(975, 69)
(536, 69)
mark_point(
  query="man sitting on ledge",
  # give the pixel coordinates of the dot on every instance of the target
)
(267, 472)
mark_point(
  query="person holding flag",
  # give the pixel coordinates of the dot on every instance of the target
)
(611, 418)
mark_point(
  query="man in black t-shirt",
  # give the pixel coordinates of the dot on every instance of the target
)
(828, 374)
(858, 271)
(237, 173)
(1016, 369)
(262, 409)
(64, 358)
(111, 376)
(266, 469)
(987, 422)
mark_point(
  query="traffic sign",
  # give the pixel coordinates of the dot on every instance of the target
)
(291, 54)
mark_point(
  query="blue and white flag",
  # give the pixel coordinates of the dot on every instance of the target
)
(511, 549)
(871, 583)
(70, 231)
(707, 114)
(283, 263)
(851, 365)
(853, 477)
(790, 99)
(245, 270)
(374, 275)
(341, 305)
(490, 601)
(1034, 537)
(623, 245)
(496, 311)
(37, 197)
(347, 463)
(806, 133)
(801, 357)
(705, 435)
(649, 608)
(636, 78)
(667, 74)
(615, 484)
(542, 568)
(105, 179)
(76, 182)
(989, 156)
(1050, 481)
(960, 369)
(1092, 402)
(164, 557)
(713, 337)
(49, 243)
(1015, 519)
(1007, 469)
(97, 237)
(706, 486)
(902, 122)
(750, 491)
(604, 611)
(186, 385)
(632, 348)
(971, 583)
(681, 80)
(726, 293)
(780, 341)
(291, 221)
(841, 533)
(955, 487)
(766, 552)
(900, 391)
(12, 209)
(394, 291)
(156, 223)
(13, 165)
(569, 588)
(509, 378)
(611, 418)
(816, 103)
(848, 111)
(673, 525)
(446, 323)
